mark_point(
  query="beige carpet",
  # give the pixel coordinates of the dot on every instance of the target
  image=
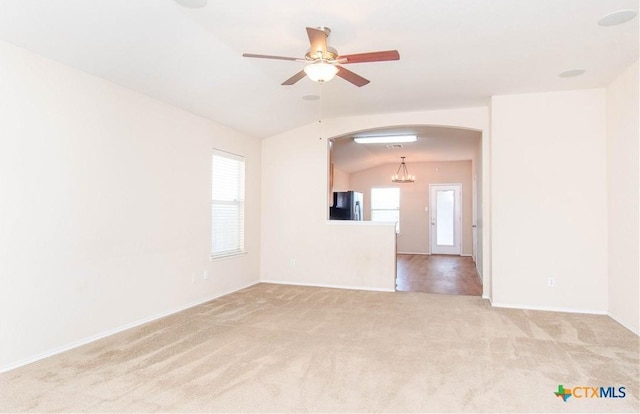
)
(272, 348)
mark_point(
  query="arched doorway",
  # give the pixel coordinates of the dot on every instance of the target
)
(439, 155)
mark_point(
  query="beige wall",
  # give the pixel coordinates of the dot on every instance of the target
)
(414, 198)
(623, 169)
(300, 246)
(341, 180)
(105, 199)
(549, 200)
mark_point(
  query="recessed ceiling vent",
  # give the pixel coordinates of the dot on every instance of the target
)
(393, 146)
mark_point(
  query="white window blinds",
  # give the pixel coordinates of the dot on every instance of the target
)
(227, 204)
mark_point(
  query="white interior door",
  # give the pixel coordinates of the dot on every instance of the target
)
(446, 218)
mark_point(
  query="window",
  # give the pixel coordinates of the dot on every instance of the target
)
(385, 205)
(227, 205)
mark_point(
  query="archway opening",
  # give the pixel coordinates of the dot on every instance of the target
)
(441, 155)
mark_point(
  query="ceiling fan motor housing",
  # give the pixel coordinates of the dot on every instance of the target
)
(330, 54)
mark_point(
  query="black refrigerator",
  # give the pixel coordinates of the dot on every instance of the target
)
(347, 205)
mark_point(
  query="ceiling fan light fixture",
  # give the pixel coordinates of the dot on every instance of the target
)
(386, 139)
(321, 59)
(321, 71)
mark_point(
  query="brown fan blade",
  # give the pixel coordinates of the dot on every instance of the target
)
(295, 78)
(317, 39)
(354, 78)
(251, 55)
(370, 57)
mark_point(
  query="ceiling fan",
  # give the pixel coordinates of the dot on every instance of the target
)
(324, 62)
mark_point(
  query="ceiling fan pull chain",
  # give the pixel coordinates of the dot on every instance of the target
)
(320, 103)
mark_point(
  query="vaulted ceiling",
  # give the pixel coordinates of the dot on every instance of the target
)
(453, 53)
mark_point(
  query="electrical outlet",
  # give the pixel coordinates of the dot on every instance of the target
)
(205, 275)
(551, 282)
(292, 263)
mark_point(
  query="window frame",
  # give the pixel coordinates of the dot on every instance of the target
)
(239, 202)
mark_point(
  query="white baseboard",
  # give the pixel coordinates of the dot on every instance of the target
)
(547, 308)
(326, 285)
(626, 325)
(421, 253)
(121, 328)
(429, 254)
(566, 310)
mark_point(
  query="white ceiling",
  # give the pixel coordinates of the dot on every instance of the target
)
(454, 53)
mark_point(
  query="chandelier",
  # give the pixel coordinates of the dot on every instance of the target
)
(402, 175)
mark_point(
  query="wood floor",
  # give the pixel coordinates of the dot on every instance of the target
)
(450, 275)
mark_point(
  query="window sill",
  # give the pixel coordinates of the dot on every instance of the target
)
(226, 256)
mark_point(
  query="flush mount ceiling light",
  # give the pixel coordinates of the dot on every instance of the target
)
(571, 73)
(321, 71)
(386, 139)
(402, 175)
(617, 17)
(192, 4)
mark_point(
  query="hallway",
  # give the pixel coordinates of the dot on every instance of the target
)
(442, 274)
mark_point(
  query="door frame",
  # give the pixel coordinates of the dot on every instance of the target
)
(457, 213)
